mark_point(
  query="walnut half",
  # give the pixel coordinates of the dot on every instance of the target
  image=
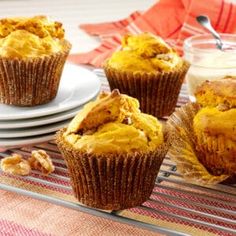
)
(41, 161)
(15, 164)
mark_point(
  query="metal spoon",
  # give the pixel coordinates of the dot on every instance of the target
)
(205, 22)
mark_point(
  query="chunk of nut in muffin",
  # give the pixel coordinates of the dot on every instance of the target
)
(41, 161)
(15, 164)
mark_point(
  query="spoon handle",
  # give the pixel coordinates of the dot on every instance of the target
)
(205, 22)
(211, 30)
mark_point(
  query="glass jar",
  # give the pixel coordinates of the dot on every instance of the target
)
(208, 62)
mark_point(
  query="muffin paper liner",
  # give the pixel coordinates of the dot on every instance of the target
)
(111, 181)
(30, 82)
(156, 92)
(183, 147)
(219, 149)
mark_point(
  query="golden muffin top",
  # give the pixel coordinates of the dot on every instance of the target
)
(217, 93)
(41, 26)
(145, 53)
(114, 124)
(26, 37)
(214, 122)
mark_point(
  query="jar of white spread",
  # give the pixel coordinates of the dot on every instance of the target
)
(208, 62)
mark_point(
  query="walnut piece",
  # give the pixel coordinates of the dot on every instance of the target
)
(127, 120)
(16, 165)
(41, 161)
(223, 107)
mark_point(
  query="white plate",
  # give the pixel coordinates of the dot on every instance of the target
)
(16, 142)
(78, 85)
(43, 120)
(16, 133)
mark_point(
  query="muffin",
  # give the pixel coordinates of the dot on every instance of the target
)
(217, 93)
(215, 125)
(148, 69)
(215, 132)
(32, 55)
(206, 133)
(113, 152)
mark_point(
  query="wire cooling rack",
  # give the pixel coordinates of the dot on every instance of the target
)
(211, 208)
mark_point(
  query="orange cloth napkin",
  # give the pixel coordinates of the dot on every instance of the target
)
(174, 21)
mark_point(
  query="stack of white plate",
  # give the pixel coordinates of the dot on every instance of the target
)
(28, 125)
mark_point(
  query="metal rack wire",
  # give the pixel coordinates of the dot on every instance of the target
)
(173, 198)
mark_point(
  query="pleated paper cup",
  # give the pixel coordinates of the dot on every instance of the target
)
(195, 165)
(157, 92)
(110, 181)
(219, 153)
(31, 82)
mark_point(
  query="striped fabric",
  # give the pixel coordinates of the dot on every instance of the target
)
(185, 204)
(174, 21)
(11, 228)
(23, 216)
